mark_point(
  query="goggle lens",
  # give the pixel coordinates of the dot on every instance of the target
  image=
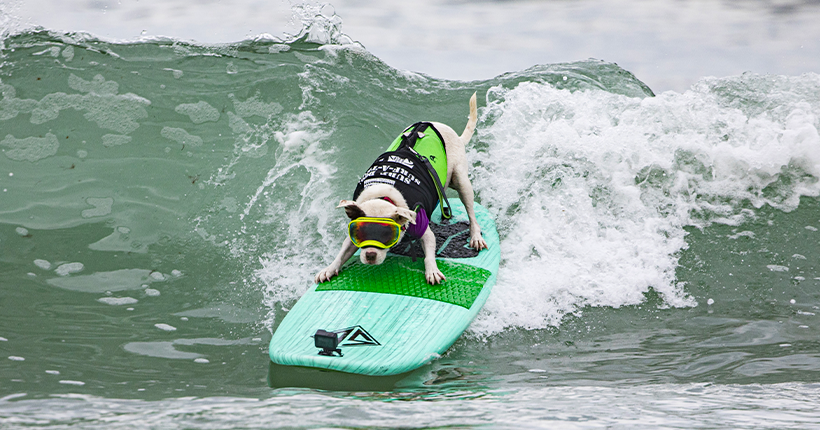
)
(378, 232)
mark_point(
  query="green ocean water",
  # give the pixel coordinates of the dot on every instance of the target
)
(163, 204)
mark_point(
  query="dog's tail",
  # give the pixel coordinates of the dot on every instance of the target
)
(470, 128)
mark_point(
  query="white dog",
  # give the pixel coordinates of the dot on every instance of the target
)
(399, 192)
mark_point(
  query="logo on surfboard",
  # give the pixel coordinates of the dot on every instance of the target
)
(356, 336)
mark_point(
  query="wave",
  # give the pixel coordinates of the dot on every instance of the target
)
(592, 178)
(592, 190)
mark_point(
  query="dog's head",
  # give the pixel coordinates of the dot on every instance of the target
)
(377, 208)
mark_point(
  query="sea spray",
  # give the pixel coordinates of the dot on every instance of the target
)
(592, 190)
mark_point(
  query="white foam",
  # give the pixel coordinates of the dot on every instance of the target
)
(313, 227)
(165, 327)
(118, 301)
(777, 268)
(591, 191)
(198, 112)
(749, 234)
(22, 231)
(119, 240)
(278, 47)
(43, 264)
(98, 85)
(152, 292)
(159, 349)
(16, 358)
(177, 73)
(201, 360)
(181, 136)
(100, 101)
(100, 282)
(70, 382)
(110, 140)
(255, 107)
(69, 268)
(102, 207)
(68, 53)
(294, 201)
(30, 148)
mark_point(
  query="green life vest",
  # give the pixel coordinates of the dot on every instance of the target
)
(430, 147)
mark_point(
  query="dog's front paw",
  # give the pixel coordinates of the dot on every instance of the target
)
(326, 274)
(434, 278)
(433, 275)
(478, 243)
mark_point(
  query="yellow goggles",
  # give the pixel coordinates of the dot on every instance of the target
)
(378, 232)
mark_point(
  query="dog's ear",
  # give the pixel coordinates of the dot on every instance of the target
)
(352, 210)
(405, 216)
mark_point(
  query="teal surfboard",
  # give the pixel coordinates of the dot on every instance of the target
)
(388, 319)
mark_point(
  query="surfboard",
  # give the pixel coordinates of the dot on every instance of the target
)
(387, 318)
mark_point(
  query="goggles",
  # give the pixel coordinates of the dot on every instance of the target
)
(379, 232)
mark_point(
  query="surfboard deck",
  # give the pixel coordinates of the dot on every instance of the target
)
(390, 321)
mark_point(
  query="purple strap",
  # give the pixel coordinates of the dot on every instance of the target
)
(417, 230)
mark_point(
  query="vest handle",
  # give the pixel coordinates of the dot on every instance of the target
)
(408, 140)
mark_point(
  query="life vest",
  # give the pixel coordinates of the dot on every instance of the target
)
(431, 146)
(416, 165)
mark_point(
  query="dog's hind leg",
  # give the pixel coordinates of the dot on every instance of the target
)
(460, 181)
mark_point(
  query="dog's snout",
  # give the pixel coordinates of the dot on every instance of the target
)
(370, 256)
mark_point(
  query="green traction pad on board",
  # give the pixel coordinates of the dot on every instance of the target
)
(402, 276)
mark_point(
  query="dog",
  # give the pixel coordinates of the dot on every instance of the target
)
(377, 199)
